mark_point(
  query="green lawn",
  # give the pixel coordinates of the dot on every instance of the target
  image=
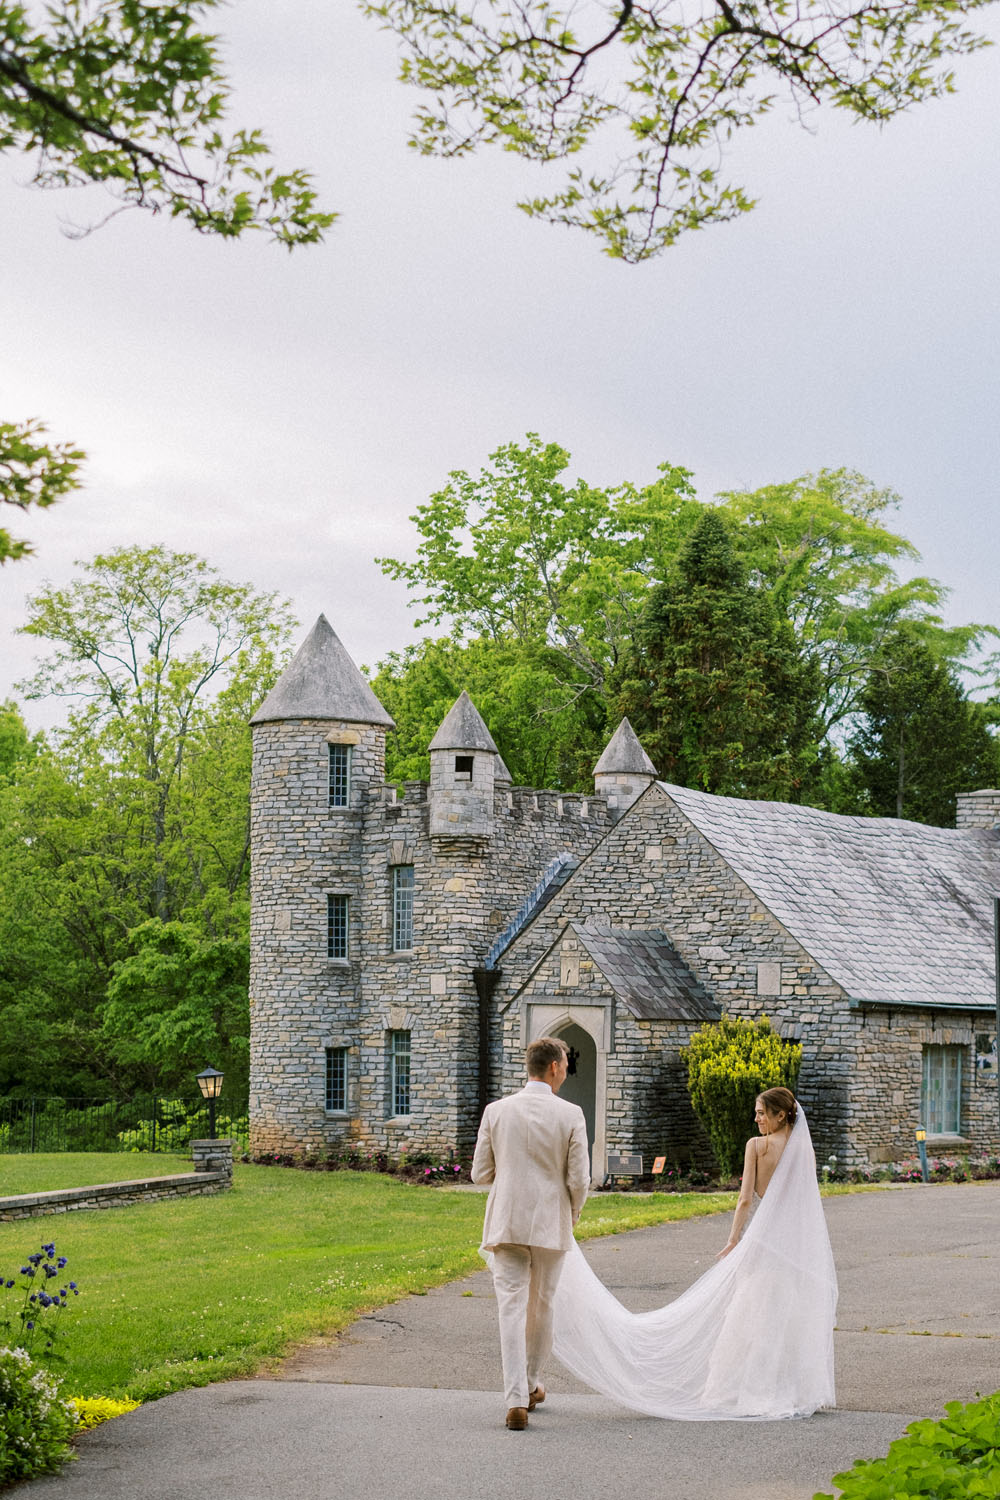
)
(188, 1291)
(44, 1171)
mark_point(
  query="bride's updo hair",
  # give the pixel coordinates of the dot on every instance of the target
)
(777, 1100)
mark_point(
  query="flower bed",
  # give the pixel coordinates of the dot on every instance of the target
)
(417, 1166)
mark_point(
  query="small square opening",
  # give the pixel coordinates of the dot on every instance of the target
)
(463, 767)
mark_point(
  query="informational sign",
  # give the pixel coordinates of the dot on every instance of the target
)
(658, 1165)
(622, 1165)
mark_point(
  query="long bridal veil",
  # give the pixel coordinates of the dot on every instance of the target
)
(751, 1339)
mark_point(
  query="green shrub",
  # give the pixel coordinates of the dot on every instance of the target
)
(35, 1421)
(91, 1411)
(957, 1457)
(729, 1063)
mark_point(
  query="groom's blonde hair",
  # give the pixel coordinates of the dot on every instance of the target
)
(542, 1053)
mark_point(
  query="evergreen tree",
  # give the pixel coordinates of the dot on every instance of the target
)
(920, 740)
(716, 686)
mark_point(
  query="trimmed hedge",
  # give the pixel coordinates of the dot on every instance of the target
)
(729, 1063)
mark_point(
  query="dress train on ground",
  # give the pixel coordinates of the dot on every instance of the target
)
(752, 1339)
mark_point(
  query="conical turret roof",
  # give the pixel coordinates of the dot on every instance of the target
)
(322, 682)
(624, 753)
(463, 728)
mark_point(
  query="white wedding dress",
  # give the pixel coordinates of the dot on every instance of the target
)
(752, 1339)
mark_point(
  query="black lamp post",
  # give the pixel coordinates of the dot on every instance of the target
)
(210, 1083)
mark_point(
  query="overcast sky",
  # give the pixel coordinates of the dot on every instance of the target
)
(283, 415)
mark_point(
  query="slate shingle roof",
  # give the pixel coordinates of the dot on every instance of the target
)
(623, 752)
(322, 682)
(893, 911)
(647, 974)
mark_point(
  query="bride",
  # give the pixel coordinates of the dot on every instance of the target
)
(753, 1337)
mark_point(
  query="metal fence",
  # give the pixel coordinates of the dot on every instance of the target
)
(145, 1123)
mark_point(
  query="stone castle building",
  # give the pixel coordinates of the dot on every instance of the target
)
(406, 945)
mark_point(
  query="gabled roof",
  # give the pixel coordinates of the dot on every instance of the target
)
(624, 753)
(463, 729)
(647, 973)
(895, 912)
(322, 682)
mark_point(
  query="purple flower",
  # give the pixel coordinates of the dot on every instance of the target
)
(72, 1286)
(49, 1249)
(29, 1325)
(62, 1261)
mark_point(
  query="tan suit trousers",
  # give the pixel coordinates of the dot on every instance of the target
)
(524, 1280)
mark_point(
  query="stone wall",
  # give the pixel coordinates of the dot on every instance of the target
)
(654, 869)
(646, 1108)
(114, 1194)
(465, 888)
(886, 1107)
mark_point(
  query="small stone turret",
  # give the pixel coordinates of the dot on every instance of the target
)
(465, 769)
(624, 771)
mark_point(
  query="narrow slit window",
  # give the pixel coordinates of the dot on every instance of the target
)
(336, 1079)
(402, 907)
(399, 1072)
(337, 922)
(340, 775)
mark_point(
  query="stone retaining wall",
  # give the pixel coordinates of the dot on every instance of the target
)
(213, 1173)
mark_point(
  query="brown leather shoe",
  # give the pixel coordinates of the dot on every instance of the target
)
(536, 1397)
(517, 1418)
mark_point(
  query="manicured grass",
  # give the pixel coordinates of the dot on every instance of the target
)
(188, 1291)
(44, 1171)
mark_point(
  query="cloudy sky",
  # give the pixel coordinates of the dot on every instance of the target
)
(283, 415)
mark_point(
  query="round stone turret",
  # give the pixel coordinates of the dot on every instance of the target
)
(318, 748)
(465, 768)
(624, 771)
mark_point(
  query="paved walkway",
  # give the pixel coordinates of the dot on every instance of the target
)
(405, 1403)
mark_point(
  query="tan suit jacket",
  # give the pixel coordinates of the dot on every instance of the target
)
(532, 1148)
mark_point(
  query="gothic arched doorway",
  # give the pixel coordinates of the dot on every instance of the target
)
(581, 1082)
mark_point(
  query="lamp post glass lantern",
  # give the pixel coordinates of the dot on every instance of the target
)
(210, 1083)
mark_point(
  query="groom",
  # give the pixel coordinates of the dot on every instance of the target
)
(532, 1149)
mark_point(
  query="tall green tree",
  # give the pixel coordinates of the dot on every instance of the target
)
(716, 686)
(822, 547)
(559, 573)
(920, 740)
(644, 101)
(515, 554)
(549, 727)
(148, 642)
(178, 1003)
(138, 811)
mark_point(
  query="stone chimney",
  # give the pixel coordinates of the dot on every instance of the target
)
(978, 809)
